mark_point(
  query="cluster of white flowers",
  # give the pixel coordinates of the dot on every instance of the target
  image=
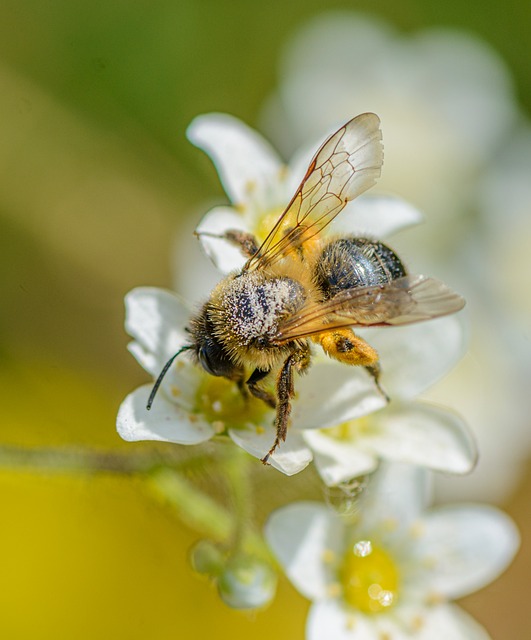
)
(457, 146)
(386, 569)
(336, 416)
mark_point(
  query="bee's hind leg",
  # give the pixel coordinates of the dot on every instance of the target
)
(374, 370)
(246, 242)
(345, 346)
(299, 360)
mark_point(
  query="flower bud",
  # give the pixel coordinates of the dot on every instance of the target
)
(247, 583)
(206, 558)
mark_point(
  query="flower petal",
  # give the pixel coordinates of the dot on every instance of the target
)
(246, 163)
(216, 222)
(423, 434)
(338, 460)
(166, 421)
(466, 546)
(439, 622)
(376, 216)
(396, 495)
(301, 535)
(333, 393)
(414, 357)
(156, 319)
(331, 619)
(290, 457)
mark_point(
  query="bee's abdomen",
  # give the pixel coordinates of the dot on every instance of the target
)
(349, 263)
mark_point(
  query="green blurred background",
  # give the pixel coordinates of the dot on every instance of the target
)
(96, 179)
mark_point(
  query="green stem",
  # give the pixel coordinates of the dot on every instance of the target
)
(74, 459)
(202, 513)
(236, 471)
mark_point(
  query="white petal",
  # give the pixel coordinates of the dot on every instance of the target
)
(166, 421)
(223, 254)
(423, 434)
(338, 460)
(332, 393)
(301, 536)
(414, 357)
(331, 620)
(181, 382)
(245, 162)
(449, 621)
(439, 622)
(397, 494)
(468, 546)
(290, 457)
(376, 216)
(156, 319)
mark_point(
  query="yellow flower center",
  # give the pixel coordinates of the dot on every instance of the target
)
(221, 403)
(348, 430)
(265, 223)
(369, 577)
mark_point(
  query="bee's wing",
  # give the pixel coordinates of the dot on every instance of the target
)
(346, 165)
(402, 301)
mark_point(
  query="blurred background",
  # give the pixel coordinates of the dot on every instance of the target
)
(97, 185)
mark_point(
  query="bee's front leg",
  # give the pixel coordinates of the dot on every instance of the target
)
(300, 361)
(256, 391)
(246, 242)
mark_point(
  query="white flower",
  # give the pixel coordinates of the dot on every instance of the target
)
(260, 186)
(391, 570)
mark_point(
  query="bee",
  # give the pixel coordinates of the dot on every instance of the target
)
(300, 287)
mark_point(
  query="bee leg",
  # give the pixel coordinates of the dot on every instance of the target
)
(345, 346)
(374, 370)
(246, 242)
(256, 391)
(299, 360)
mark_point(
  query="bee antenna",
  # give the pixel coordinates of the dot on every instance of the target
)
(162, 374)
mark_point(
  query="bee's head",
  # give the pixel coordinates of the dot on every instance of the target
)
(210, 353)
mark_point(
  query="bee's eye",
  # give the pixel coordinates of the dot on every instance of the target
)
(206, 361)
(214, 360)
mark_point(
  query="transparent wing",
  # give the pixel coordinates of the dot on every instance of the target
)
(346, 165)
(402, 301)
